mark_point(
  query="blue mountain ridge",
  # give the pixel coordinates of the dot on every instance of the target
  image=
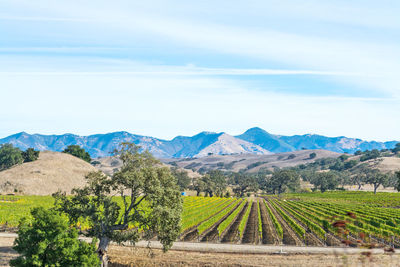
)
(100, 145)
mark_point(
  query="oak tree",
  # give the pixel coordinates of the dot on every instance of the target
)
(151, 202)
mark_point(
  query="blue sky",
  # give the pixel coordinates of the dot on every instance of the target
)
(167, 68)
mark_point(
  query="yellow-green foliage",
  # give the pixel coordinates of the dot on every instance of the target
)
(229, 220)
(193, 214)
(210, 222)
(12, 211)
(243, 223)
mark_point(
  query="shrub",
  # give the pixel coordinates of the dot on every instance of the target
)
(49, 241)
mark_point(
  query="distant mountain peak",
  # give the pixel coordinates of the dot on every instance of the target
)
(256, 129)
(254, 141)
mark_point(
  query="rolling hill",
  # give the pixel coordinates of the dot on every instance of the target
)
(51, 172)
(250, 162)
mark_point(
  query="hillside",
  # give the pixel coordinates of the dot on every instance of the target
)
(250, 162)
(386, 164)
(51, 172)
(253, 141)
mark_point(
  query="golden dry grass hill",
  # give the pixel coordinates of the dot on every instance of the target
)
(51, 172)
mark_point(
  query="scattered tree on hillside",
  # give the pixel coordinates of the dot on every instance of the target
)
(325, 181)
(30, 155)
(283, 180)
(350, 164)
(141, 180)
(358, 153)
(396, 149)
(182, 178)
(10, 156)
(79, 152)
(313, 155)
(47, 240)
(367, 155)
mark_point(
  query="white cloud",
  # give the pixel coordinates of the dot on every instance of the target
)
(165, 106)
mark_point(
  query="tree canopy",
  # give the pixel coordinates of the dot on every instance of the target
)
(244, 183)
(79, 152)
(214, 183)
(49, 241)
(325, 181)
(182, 178)
(396, 149)
(283, 180)
(151, 202)
(30, 155)
(10, 156)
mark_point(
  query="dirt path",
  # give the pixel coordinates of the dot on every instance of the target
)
(7, 239)
(140, 257)
(268, 230)
(289, 236)
(232, 234)
(250, 235)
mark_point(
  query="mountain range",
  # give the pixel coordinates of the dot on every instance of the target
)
(253, 141)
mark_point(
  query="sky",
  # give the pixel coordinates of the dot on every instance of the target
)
(168, 68)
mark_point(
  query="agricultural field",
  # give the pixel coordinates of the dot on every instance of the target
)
(307, 219)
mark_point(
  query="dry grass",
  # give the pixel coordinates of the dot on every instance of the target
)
(51, 172)
(242, 161)
(389, 164)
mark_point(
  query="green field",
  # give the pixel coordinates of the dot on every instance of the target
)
(306, 218)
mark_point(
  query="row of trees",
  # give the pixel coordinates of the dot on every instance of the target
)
(215, 183)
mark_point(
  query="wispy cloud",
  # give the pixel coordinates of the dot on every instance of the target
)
(190, 72)
(44, 19)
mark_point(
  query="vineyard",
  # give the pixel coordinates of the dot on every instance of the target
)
(308, 219)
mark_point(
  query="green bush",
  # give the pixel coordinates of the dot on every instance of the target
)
(49, 241)
(30, 155)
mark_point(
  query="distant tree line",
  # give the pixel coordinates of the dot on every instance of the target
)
(323, 174)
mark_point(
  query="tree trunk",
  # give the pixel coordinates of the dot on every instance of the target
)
(359, 186)
(375, 188)
(102, 251)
